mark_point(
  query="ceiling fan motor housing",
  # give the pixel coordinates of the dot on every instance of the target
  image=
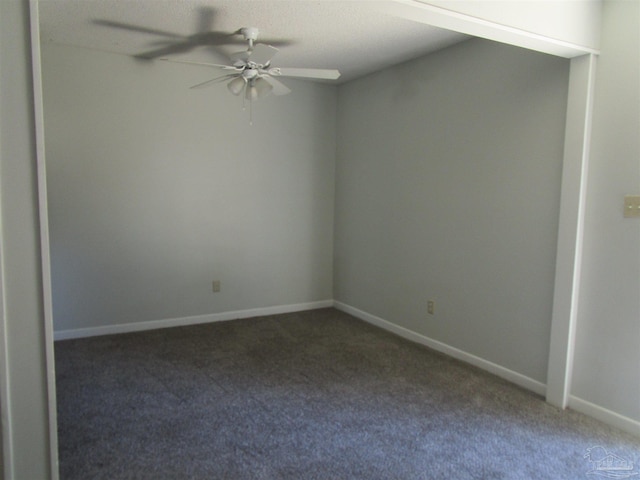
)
(249, 73)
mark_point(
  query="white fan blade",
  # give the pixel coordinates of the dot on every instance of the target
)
(262, 54)
(279, 88)
(215, 65)
(321, 73)
(214, 81)
(240, 58)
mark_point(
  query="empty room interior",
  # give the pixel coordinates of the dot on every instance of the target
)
(430, 259)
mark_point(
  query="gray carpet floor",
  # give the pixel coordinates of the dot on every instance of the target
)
(311, 395)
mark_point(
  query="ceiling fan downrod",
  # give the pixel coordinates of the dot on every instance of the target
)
(250, 35)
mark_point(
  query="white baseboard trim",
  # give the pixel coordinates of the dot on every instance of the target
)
(502, 372)
(575, 403)
(604, 415)
(179, 322)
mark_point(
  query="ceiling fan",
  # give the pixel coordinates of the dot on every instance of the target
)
(251, 72)
(168, 43)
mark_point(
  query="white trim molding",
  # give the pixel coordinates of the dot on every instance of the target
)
(604, 415)
(595, 411)
(577, 404)
(45, 257)
(6, 460)
(193, 320)
(498, 370)
(570, 229)
(422, 11)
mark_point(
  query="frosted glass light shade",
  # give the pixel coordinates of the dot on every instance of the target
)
(251, 93)
(263, 87)
(236, 85)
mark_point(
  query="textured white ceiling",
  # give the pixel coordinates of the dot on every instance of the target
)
(352, 36)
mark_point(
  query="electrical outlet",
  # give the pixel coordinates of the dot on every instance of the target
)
(216, 286)
(431, 307)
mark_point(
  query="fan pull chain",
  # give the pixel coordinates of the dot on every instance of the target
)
(244, 104)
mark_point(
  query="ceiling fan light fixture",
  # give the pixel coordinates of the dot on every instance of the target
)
(236, 85)
(262, 87)
(251, 93)
(250, 73)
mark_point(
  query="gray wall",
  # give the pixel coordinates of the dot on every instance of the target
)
(447, 188)
(25, 427)
(155, 190)
(607, 358)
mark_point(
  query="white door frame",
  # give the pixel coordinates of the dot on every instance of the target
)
(43, 210)
(570, 229)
